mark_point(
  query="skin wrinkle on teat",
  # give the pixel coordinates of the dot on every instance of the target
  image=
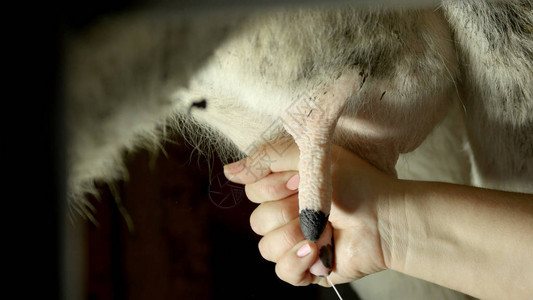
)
(313, 137)
(312, 130)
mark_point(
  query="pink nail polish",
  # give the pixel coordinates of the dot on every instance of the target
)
(304, 250)
(235, 167)
(293, 183)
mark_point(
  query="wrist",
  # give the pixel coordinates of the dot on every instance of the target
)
(392, 225)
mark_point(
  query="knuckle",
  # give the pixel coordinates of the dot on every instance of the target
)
(281, 272)
(251, 194)
(255, 223)
(285, 271)
(302, 280)
(292, 234)
(264, 249)
(270, 192)
(286, 215)
(264, 190)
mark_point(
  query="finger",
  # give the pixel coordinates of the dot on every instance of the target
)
(324, 264)
(274, 214)
(263, 161)
(275, 243)
(273, 187)
(293, 266)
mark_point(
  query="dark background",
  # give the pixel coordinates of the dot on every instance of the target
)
(188, 239)
(184, 243)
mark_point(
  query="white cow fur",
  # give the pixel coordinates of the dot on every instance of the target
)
(129, 76)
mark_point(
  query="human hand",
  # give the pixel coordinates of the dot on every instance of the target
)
(359, 190)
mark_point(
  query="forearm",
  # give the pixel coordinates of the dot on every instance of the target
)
(473, 240)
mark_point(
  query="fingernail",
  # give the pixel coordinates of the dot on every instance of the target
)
(304, 250)
(235, 167)
(293, 183)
